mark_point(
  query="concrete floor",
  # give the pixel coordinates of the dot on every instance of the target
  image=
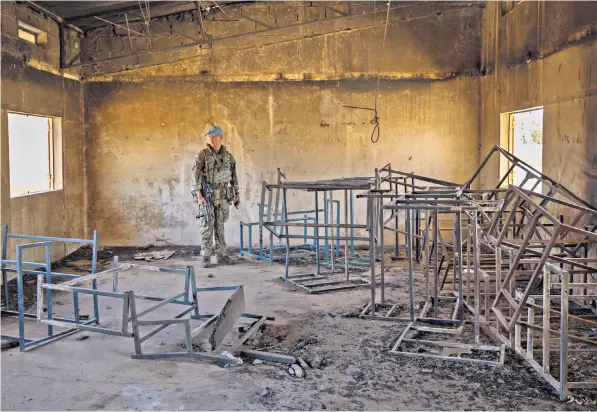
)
(98, 373)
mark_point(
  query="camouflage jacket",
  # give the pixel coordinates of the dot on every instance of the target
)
(219, 168)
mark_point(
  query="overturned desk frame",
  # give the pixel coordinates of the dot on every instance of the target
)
(19, 266)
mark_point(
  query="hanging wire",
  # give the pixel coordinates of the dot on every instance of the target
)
(221, 9)
(146, 19)
(383, 45)
(375, 120)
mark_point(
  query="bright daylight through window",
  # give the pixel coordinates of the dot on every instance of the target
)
(35, 154)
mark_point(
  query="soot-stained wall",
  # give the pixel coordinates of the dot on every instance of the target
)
(281, 106)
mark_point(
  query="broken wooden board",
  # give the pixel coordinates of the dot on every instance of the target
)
(157, 255)
(232, 310)
(267, 356)
(233, 347)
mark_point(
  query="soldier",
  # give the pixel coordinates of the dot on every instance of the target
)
(216, 183)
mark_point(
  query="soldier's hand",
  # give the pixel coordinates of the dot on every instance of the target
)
(202, 200)
(237, 199)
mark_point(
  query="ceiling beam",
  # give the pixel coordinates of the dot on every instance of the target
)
(87, 46)
(229, 37)
(110, 8)
(90, 22)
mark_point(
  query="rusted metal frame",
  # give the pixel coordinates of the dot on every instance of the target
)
(477, 275)
(525, 195)
(320, 186)
(581, 205)
(469, 242)
(586, 233)
(477, 172)
(502, 180)
(509, 219)
(496, 220)
(571, 336)
(87, 47)
(562, 385)
(592, 229)
(436, 262)
(525, 166)
(551, 257)
(382, 253)
(126, 296)
(411, 326)
(526, 207)
(526, 179)
(66, 286)
(553, 185)
(163, 323)
(510, 275)
(531, 283)
(427, 260)
(566, 230)
(458, 253)
(529, 209)
(205, 327)
(409, 246)
(329, 237)
(423, 178)
(553, 199)
(284, 223)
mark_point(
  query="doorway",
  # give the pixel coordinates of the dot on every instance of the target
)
(525, 141)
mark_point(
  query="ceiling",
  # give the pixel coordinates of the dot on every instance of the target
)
(91, 14)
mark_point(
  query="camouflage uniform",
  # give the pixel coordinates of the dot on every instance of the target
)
(219, 169)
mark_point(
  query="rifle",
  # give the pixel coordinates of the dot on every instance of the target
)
(207, 193)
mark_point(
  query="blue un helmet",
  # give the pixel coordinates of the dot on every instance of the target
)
(215, 131)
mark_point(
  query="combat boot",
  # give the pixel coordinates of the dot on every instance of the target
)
(225, 260)
(205, 262)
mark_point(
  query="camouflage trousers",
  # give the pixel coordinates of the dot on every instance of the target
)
(214, 229)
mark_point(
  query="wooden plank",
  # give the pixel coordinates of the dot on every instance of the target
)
(238, 342)
(271, 357)
(201, 331)
(232, 310)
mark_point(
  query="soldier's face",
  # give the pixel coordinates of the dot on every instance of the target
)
(216, 142)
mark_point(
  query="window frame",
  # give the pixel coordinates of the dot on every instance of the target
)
(55, 151)
(41, 37)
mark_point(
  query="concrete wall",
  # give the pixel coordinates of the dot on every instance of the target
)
(142, 140)
(31, 84)
(545, 54)
(145, 126)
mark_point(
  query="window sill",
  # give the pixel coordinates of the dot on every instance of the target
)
(35, 193)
